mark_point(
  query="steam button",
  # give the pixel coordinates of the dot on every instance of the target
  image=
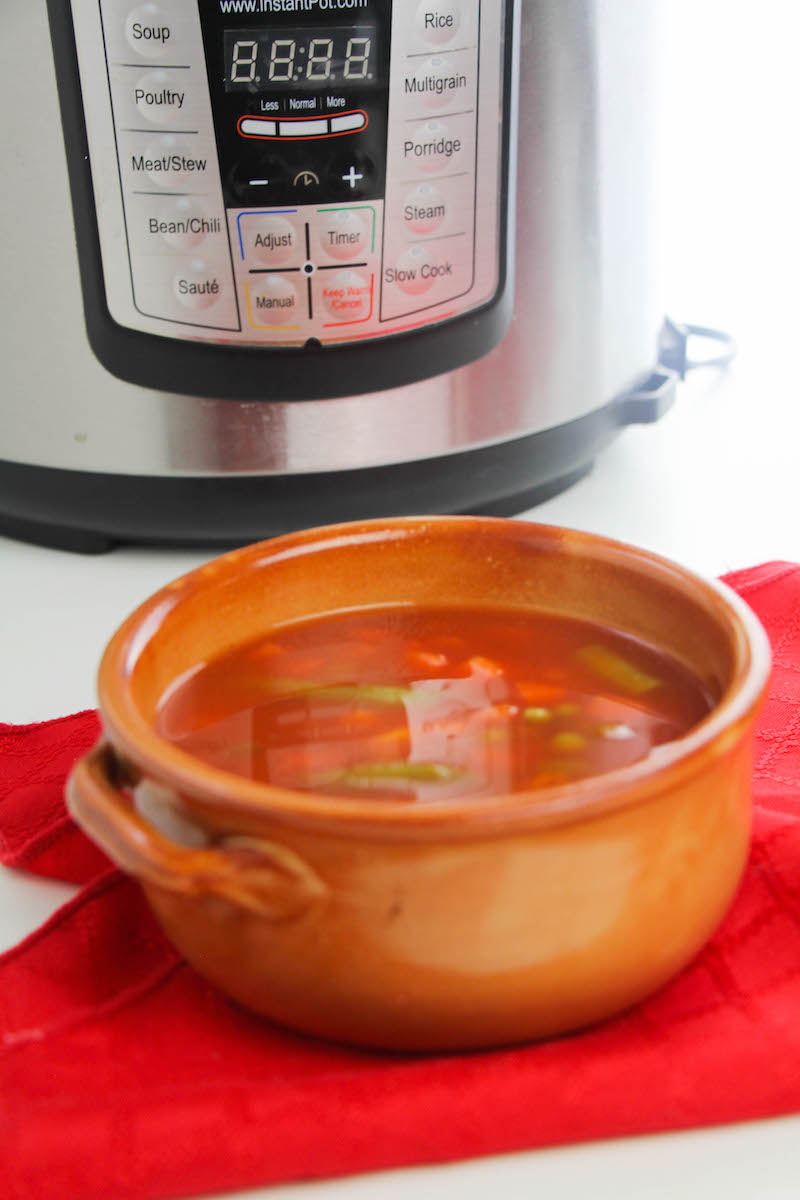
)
(149, 31)
(424, 209)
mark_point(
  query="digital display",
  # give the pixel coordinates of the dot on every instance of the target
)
(261, 60)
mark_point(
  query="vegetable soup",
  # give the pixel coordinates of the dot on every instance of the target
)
(417, 704)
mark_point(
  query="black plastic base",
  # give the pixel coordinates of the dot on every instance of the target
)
(92, 512)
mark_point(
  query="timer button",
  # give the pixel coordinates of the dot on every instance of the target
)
(197, 285)
(438, 20)
(424, 209)
(270, 238)
(149, 31)
(158, 97)
(273, 301)
(347, 295)
(343, 234)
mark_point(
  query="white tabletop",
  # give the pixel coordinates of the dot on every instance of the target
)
(715, 485)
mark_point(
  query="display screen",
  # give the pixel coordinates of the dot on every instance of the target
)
(261, 60)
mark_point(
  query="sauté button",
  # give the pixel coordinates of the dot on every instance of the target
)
(346, 295)
(273, 301)
(270, 238)
(424, 209)
(415, 270)
(197, 285)
(149, 30)
(343, 234)
(438, 20)
(159, 98)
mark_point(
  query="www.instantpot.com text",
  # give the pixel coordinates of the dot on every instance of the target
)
(270, 6)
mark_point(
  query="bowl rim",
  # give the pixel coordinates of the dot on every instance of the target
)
(201, 786)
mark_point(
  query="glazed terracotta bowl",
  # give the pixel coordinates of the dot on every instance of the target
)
(453, 924)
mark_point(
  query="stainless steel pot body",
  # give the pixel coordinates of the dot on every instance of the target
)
(587, 308)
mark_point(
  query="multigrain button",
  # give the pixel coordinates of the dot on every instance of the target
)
(273, 301)
(424, 209)
(149, 30)
(438, 20)
(415, 270)
(197, 285)
(347, 295)
(159, 98)
(439, 82)
(269, 238)
(343, 234)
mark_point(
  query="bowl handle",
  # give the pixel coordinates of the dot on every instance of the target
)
(262, 876)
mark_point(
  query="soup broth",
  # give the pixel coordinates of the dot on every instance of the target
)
(420, 705)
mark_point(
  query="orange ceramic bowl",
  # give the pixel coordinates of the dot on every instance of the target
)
(454, 924)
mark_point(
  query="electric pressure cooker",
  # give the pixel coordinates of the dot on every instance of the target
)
(327, 259)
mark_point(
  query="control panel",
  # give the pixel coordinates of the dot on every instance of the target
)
(294, 172)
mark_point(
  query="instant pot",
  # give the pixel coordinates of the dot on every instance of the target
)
(326, 259)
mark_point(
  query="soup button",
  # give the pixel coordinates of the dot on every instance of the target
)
(347, 295)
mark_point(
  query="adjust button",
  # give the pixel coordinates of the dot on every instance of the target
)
(149, 30)
(268, 238)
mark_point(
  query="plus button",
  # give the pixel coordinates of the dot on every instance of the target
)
(351, 176)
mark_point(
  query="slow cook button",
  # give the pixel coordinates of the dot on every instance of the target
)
(197, 285)
(424, 209)
(431, 147)
(438, 20)
(273, 301)
(149, 30)
(343, 234)
(268, 238)
(347, 295)
(416, 270)
(159, 97)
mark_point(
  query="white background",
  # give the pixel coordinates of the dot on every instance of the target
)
(716, 485)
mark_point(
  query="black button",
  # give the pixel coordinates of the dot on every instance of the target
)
(352, 175)
(305, 184)
(258, 179)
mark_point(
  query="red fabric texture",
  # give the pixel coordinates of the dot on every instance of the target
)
(124, 1075)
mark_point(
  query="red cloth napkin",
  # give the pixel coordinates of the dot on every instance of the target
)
(123, 1075)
